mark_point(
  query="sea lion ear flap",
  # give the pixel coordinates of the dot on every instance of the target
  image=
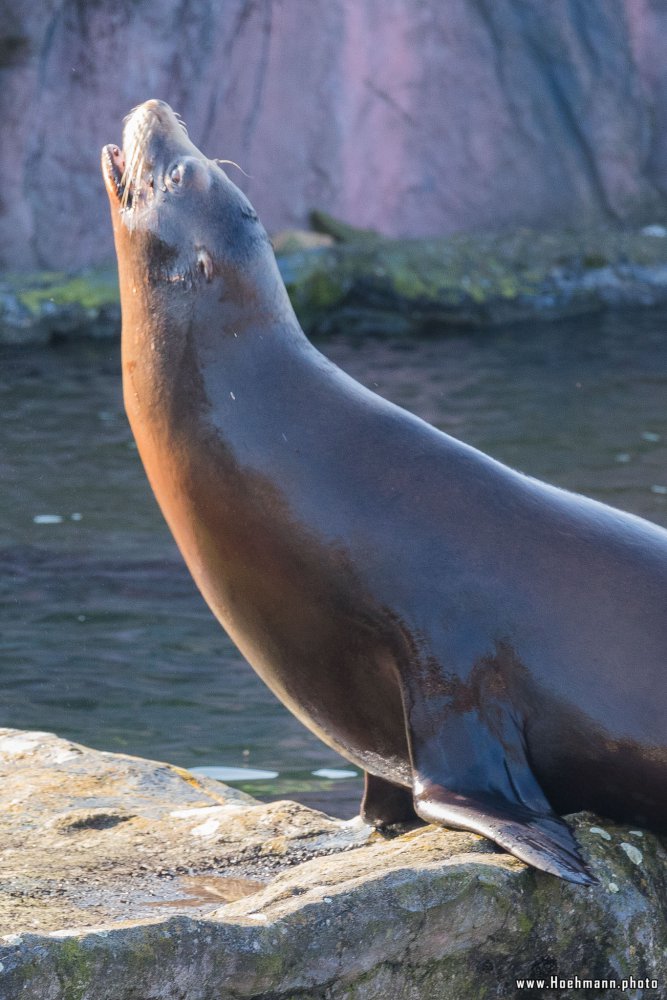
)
(205, 263)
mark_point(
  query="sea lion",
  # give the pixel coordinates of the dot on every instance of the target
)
(491, 650)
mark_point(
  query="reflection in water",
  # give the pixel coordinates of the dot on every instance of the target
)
(228, 774)
(195, 891)
(104, 637)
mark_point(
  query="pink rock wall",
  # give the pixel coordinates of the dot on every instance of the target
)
(415, 117)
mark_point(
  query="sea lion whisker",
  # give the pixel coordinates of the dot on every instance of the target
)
(131, 113)
(138, 127)
(181, 122)
(234, 164)
(131, 156)
(139, 173)
(126, 182)
(129, 176)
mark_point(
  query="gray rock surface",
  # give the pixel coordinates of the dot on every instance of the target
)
(412, 118)
(127, 879)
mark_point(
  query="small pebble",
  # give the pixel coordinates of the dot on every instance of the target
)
(612, 887)
(633, 853)
(207, 829)
(601, 833)
(660, 490)
(48, 519)
(650, 436)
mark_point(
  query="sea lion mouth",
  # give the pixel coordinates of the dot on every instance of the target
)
(113, 168)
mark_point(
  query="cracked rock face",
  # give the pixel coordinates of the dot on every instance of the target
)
(413, 119)
(125, 878)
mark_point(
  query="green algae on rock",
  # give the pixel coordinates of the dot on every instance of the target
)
(357, 282)
(415, 287)
(42, 306)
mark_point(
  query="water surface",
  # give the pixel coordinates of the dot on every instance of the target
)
(105, 639)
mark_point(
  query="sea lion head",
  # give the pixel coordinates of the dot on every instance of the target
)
(180, 224)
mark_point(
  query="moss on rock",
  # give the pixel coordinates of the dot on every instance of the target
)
(73, 969)
(42, 306)
(90, 291)
(370, 284)
(360, 283)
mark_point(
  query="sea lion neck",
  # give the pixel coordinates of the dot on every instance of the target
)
(249, 302)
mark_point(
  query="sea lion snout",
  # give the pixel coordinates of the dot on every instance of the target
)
(155, 106)
(154, 138)
(180, 223)
(152, 125)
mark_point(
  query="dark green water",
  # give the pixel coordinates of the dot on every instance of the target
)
(105, 639)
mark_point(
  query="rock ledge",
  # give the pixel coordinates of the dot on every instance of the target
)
(359, 283)
(127, 879)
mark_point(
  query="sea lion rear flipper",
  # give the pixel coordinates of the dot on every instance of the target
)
(468, 777)
(543, 841)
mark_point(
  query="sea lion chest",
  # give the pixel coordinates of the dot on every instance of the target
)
(244, 458)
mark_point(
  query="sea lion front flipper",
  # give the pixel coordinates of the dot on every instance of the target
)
(466, 776)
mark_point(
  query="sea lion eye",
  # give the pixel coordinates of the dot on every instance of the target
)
(188, 173)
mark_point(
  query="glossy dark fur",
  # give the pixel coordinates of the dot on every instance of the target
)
(491, 650)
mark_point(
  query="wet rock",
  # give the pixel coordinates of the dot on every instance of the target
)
(342, 232)
(84, 831)
(124, 878)
(294, 240)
